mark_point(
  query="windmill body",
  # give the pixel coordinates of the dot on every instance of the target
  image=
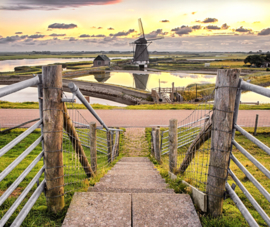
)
(141, 54)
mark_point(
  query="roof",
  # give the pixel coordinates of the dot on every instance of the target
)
(102, 57)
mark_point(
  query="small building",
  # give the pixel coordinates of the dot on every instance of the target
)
(101, 60)
(206, 64)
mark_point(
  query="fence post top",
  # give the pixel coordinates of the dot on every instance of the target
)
(92, 123)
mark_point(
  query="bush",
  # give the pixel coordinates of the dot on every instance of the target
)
(267, 69)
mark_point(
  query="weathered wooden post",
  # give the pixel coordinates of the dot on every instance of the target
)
(173, 145)
(109, 145)
(153, 136)
(157, 148)
(53, 136)
(93, 146)
(221, 138)
(256, 124)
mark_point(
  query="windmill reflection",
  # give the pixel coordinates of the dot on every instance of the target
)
(102, 78)
(141, 80)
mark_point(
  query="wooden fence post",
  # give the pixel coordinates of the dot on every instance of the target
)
(53, 136)
(109, 145)
(221, 137)
(173, 145)
(157, 148)
(153, 135)
(256, 125)
(93, 146)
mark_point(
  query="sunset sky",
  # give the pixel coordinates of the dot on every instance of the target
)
(93, 25)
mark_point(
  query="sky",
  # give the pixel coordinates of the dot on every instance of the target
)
(111, 25)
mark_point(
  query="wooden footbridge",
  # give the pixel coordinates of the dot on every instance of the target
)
(124, 95)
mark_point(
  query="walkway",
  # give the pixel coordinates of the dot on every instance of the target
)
(132, 118)
(132, 194)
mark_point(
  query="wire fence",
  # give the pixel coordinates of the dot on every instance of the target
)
(192, 152)
(77, 150)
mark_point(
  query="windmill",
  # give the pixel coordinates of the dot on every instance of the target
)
(141, 55)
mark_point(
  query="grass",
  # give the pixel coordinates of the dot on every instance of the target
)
(182, 106)
(231, 216)
(39, 215)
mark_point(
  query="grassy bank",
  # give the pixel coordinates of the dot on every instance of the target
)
(231, 216)
(183, 106)
(39, 215)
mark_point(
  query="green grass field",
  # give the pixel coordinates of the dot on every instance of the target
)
(182, 106)
(39, 215)
(197, 171)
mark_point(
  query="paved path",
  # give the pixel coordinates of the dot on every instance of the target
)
(131, 194)
(132, 118)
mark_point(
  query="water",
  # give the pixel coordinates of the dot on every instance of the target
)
(140, 80)
(149, 80)
(9, 65)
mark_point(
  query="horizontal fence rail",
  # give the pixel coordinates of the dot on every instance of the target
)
(18, 160)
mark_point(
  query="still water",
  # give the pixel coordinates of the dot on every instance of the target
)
(139, 80)
(149, 80)
(9, 65)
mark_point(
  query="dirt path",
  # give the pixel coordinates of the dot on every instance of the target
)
(135, 143)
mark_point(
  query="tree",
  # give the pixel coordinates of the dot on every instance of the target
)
(257, 60)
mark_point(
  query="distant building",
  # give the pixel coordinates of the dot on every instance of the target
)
(206, 64)
(101, 60)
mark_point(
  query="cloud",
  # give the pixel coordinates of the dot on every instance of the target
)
(184, 30)
(51, 5)
(208, 20)
(265, 31)
(98, 36)
(212, 27)
(84, 36)
(193, 13)
(72, 39)
(154, 34)
(196, 27)
(165, 21)
(9, 39)
(99, 28)
(30, 44)
(43, 43)
(225, 26)
(110, 28)
(36, 36)
(54, 34)
(24, 36)
(256, 22)
(123, 33)
(241, 29)
(28, 40)
(18, 33)
(62, 26)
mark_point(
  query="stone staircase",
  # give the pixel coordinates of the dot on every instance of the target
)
(133, 194)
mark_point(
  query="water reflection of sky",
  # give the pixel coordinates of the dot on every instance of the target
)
(150, 80)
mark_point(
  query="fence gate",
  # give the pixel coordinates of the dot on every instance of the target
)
(72, 149)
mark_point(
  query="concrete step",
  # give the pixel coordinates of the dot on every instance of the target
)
(101, 188)
(125, 209)
(134, 159)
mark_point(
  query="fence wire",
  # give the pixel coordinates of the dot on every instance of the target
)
(193, 151)
(77, 152)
